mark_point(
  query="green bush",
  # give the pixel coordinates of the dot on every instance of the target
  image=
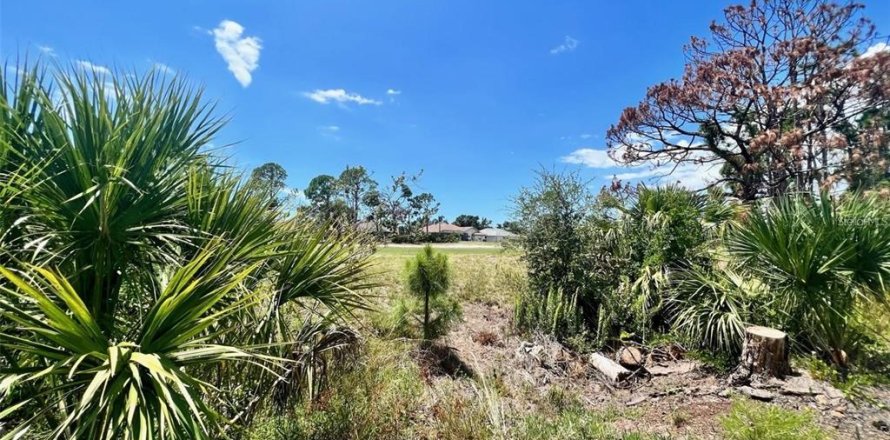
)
(602, 266)
(553, 313)
(754, 421)
(553, 215)
(403, 318)
(646, 235)
(821, 258)
(710, 308)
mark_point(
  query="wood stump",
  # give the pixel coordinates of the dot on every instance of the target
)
(611, 369)
(765, 352)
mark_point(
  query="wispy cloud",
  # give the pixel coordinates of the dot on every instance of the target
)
(46, 50)
(330, 131)
(876, 49)
(569, 44)
(691, 175)
(393, 92)
(163, 68)
(86, 65)
(585, 136)
(242, 54)
(590, 158)
(340, 96)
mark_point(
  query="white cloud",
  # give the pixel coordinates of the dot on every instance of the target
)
(590, 158)
(586, 136)
(330, 132)
(689, 175)
(876, 49)
(241, 54)
(86, 65)
(393, 92)
(163, 68)
(46, 50)
(569, 44)
(636, 175)
(340, 96)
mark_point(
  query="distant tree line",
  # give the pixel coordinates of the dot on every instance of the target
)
(354, 196)
(394, 207)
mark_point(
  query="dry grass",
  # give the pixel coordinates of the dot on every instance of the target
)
(487, 338)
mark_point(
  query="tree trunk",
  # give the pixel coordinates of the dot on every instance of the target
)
(765, 352)
(426, 316)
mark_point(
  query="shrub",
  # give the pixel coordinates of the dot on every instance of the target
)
(425, 237)
(753, 421)
(820, 258)
(645, 236)
(553, 215)
(710, 308)
(603, 266)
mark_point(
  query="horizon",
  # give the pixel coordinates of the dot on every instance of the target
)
(477, 96)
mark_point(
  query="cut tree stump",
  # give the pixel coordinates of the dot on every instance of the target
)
(611, 369)
(765, 352)
(630, 357)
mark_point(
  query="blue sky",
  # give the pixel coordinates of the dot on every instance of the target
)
(476, 94)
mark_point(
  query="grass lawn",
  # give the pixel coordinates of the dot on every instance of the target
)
(409, 250)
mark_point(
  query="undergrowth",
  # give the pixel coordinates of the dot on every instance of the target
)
(754, 421)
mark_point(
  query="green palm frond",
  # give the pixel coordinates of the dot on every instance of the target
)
(321, 265)
(821, 257)
(112, 195)
(139, 389)
(149, 264)
(711, 308)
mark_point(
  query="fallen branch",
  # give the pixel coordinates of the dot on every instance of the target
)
(611, 369)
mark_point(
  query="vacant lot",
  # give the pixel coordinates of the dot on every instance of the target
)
(484, 380)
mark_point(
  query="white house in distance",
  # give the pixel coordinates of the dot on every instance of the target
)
(493, 235)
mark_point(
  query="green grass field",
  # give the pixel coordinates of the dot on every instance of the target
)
(449, 249)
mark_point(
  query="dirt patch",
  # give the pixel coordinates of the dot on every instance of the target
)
(677, 396)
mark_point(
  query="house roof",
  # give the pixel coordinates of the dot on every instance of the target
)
(495, 232)
(448, 227)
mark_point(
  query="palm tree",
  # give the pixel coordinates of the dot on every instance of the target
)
(821, 259)
(134, 265)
